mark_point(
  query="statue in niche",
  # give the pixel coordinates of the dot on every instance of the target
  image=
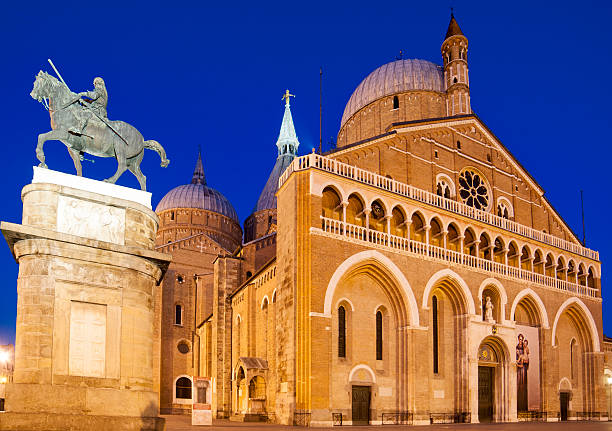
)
(489, 310)
(522, 367)
(79, 121)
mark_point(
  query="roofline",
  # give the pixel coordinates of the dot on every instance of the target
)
(250, 280)
(205, 320)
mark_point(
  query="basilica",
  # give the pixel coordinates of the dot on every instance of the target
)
(415, 274)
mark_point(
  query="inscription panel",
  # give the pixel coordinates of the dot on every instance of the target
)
(87, 355)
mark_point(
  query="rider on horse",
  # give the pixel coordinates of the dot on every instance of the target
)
(96, 102)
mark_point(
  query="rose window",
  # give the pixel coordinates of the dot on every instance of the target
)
(473, 190)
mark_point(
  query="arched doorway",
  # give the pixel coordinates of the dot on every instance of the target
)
(493, 383)
(257, 395)
(241, 394)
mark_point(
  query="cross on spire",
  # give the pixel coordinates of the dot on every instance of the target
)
(286, 97)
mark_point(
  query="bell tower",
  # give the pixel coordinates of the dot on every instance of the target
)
(454, 56)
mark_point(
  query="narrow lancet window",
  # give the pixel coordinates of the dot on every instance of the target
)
(434, 309)
(341, 332)
(178, 315)
(395, 102)
(379, 336)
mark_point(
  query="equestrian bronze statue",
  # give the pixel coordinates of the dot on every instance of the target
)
(79, 121)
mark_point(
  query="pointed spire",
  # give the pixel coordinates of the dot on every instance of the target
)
(453, 27)
(287, 142)
(198, 173)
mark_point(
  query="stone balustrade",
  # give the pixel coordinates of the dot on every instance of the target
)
(365, 177)
(347, 231)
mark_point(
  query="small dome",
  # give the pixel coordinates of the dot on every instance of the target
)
(395, 77)
(197, 195)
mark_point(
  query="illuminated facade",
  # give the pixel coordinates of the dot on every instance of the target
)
(415, 274)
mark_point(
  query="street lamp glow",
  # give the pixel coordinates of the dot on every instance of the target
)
(3, 379)
(4, 356)
(610, 380)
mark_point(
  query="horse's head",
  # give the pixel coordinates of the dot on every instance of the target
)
(41, 86)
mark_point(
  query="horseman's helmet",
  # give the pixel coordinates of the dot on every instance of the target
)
(98, 80)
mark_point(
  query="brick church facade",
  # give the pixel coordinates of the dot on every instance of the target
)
(414, 274)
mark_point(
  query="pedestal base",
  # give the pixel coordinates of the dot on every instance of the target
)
(61, 422)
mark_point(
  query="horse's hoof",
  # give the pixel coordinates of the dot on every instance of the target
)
(42, 165)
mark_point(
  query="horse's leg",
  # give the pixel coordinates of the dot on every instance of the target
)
(76, 158)
(53, 135)
(121, 167)
(134, 167)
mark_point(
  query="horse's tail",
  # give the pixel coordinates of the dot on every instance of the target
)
(156, 146)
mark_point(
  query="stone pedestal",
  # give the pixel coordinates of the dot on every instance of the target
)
(88, 276)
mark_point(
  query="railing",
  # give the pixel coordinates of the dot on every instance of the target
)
(347, 171)
(397, 418)
(532, 416)
(449, 418)
(406, 245)
(337, 419)
(301, 418)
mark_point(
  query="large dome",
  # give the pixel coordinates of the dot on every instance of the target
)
(197, 195)
(395, 77)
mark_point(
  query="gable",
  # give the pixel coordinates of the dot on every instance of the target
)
(419, 153)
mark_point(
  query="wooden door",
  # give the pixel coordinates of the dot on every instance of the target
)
(361, 405)
(485, 394)
(564, 401)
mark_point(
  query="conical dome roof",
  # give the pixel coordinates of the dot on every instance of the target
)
(197, 195)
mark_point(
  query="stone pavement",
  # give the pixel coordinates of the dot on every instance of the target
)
(183, 423)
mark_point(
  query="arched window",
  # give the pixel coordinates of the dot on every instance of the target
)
(178, 315)
(502, 210)
(434, 311)
(442, 189)
(183, 388)
(445, 187)
(341, 332)
(379, 335)
(331, 204)
(395, 102)
(435, 233)
(417, 228)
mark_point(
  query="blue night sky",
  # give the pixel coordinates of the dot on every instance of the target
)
(196, 74)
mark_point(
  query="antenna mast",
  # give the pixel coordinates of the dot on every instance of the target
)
(583, 231)
(320, 110)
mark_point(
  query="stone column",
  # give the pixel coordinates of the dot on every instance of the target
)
(88, 278)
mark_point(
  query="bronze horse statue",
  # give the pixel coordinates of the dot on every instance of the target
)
(102, 138)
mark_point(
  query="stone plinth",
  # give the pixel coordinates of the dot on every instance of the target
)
(88, 277)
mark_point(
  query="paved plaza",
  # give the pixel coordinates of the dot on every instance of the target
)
(183, 423)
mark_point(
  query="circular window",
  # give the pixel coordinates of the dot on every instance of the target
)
(473, 190)
(183, 347)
